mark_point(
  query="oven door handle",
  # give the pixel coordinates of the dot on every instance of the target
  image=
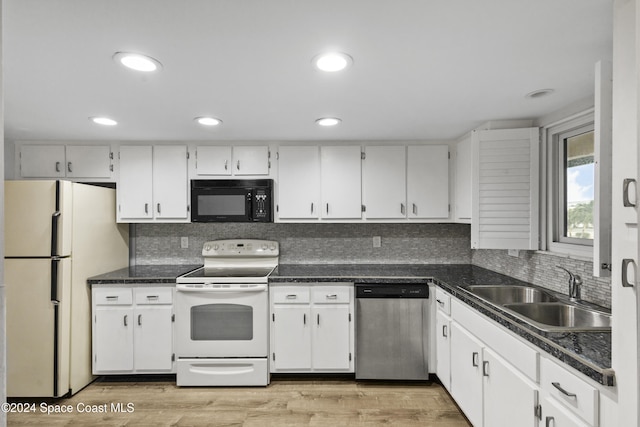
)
(252, 288)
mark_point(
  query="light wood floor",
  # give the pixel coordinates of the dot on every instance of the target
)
(286, 402)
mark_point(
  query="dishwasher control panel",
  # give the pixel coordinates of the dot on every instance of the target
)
(391, 290)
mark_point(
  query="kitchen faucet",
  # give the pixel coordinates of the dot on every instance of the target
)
(575, 282)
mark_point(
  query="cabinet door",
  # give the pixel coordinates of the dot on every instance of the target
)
(153, 338)
(251, 160)
(298, 182)
(42, 161)
(291, 338)
(113, 339)
(509, 398)
(443, 351)
(466, 373)
(135, 183)
(170, 181)
(340, 171)
(463, 180)
(384, 183)
(330, 337)
(553, 414)
(504, 187)
(88, 161)
(428, 181)
(213, 160)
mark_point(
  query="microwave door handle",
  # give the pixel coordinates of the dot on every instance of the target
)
(249, 204)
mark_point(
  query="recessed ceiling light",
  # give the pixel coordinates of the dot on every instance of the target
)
(539, 93)
(328, 121)
(208, 121)
(137, 62)
(105, 121)
(332, 61)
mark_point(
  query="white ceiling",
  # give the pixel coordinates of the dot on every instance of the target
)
(423, 69)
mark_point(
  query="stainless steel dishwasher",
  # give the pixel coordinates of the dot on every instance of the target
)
(392, 331)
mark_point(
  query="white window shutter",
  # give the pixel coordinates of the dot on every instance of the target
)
(505, 189)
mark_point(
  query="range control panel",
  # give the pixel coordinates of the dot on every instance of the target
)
(240, 247)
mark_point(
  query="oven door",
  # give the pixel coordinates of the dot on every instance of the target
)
(222, 321)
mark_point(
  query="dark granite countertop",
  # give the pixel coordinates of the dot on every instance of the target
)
(143, 274)
(588, 352)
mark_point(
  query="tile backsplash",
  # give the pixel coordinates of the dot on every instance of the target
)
(312, 243)
(333, 243)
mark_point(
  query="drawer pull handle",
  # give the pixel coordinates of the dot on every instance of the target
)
(318, 320)
(69, 167)
(625, 193)
(563, 391)
(153, 297)
(292, 296)
(139, 319)
(126, 320)
(57, 166)
(304, 319)
(625, 272)
(548, 420)
(332, 296)
(485, 369)
(444, 331)
(112, 297)
(474, 358)
(440, 302)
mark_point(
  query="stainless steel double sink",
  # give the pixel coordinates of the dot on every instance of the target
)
(543, 309)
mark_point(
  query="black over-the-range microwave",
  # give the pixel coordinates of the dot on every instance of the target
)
(232, 200)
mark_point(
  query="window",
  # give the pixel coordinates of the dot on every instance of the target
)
(576, 207)
(572, 185)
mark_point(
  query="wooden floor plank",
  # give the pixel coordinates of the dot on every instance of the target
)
(286, 402)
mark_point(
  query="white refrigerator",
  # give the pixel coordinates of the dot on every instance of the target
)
(57, 234)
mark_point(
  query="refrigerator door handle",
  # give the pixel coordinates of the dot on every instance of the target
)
(54, 280)
(55, 218)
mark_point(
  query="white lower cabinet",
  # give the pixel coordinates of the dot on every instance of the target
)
(443, 352)
(509, 397)
(497, 379)
(132, 330)
(312, 328)
(489, 390)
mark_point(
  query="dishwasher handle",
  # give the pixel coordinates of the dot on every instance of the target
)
(392, 290)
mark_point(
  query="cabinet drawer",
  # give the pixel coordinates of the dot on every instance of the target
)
(443, 301)
(290, 294)
(577, 394)
(144, 296)
(113, 296)
(331, 294)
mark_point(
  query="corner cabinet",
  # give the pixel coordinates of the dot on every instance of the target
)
(312, 328)
(132, 330)
(153, 184)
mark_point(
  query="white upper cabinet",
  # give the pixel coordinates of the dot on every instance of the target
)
(153, 183)
(463, 180)
(170, 186)
(60, 161)
(251, 160)
(341, 185)
(428, 181)
(298, 182)
(224, 160)
(505, 189)
(213, 160)
(384, 182)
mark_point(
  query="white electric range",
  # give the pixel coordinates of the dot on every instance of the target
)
(222, 315)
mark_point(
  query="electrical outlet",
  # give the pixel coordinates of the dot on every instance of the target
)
(377, 241)
(184, 242)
